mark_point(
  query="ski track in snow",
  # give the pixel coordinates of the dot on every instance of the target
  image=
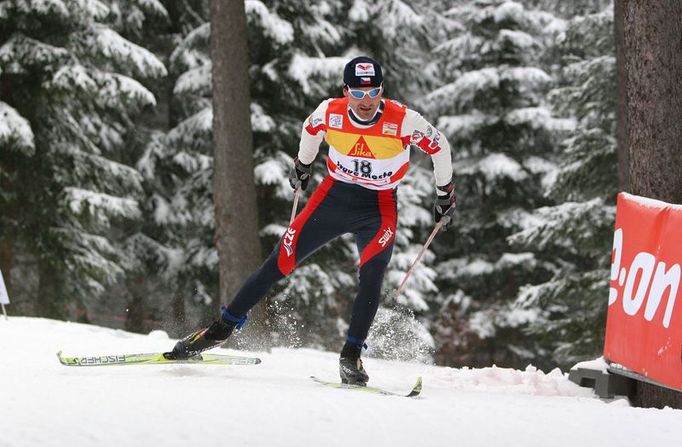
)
(43, 403)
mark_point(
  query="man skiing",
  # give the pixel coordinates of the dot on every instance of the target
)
(369, 140)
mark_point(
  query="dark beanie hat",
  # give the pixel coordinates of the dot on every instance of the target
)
(362, 71)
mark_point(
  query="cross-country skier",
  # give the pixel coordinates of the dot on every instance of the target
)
(369, 141)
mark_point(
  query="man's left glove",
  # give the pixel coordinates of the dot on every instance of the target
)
(445, 204)
(300, 175)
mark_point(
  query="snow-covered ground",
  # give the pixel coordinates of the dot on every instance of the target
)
(43, 403)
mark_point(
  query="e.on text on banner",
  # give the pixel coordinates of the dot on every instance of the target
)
(644, 321)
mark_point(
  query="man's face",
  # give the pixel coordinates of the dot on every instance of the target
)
(366, 107)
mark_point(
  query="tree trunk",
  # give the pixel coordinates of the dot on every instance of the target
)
(234, 192)
(649, 60)
(621, 100)
(650, 70)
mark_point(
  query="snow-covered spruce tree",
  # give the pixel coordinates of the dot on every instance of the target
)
(16, 150)
(492, 108)
(74, 80)
(575, 235)
(176, 165)
(567, 10)
(145, 293)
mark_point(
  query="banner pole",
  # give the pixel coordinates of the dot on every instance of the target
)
(4, 312)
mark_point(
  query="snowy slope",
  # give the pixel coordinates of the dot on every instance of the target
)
(43, 403)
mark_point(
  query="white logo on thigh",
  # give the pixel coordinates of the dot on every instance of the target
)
(386, 237)
(289, 240)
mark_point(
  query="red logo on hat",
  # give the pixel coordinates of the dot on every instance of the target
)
(365, 80)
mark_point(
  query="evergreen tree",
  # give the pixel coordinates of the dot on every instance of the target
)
(177, 239)
(568, 10)
(492, 108)
(76, 82)
(574, 237)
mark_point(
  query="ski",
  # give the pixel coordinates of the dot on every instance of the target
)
(156, 358)
(416, 389)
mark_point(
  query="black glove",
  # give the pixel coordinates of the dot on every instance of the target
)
(445, 204)
(300, 175)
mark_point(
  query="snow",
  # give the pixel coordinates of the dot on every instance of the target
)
(45, 7)
(460, 47)
(192, 162)
(78, 199)
(162, 210)
(199, 123)
(465, 88)
(303, 67)
(510, 12)
(518, 317)
(94, 8)
(562, 225)
(499, 165)
(111, 45)
(323, 32)
(482, 324)
(154, 6)
(548, 170)
(518, 39)
(274, 27)
(20, 51)
(189, 53)
(13, 126)
(276, 404)
(396, 15)
(476, 267)
(74, 76)
(465, 125)
(529, 78)
(359, 12)
(196, 80)
(260, 120)
(538, 118)
(651, 203)
(511, 260)
(598, 364)
(270, 172)
(114, 86)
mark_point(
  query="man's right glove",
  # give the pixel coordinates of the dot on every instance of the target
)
(300, 175)
(445, 204)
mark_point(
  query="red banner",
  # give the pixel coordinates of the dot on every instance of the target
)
(644, 322)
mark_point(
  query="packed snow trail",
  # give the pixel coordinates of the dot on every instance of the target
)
(43, 403)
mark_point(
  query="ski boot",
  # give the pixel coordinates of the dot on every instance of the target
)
(350, 366)
(204, 339)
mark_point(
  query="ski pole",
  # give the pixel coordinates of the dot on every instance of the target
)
(436, 229)
(297, 194)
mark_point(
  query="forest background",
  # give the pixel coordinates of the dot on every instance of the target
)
(106, 169)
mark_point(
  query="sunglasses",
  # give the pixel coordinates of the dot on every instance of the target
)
(360, 94)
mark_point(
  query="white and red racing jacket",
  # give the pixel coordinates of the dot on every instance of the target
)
(375, 156)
